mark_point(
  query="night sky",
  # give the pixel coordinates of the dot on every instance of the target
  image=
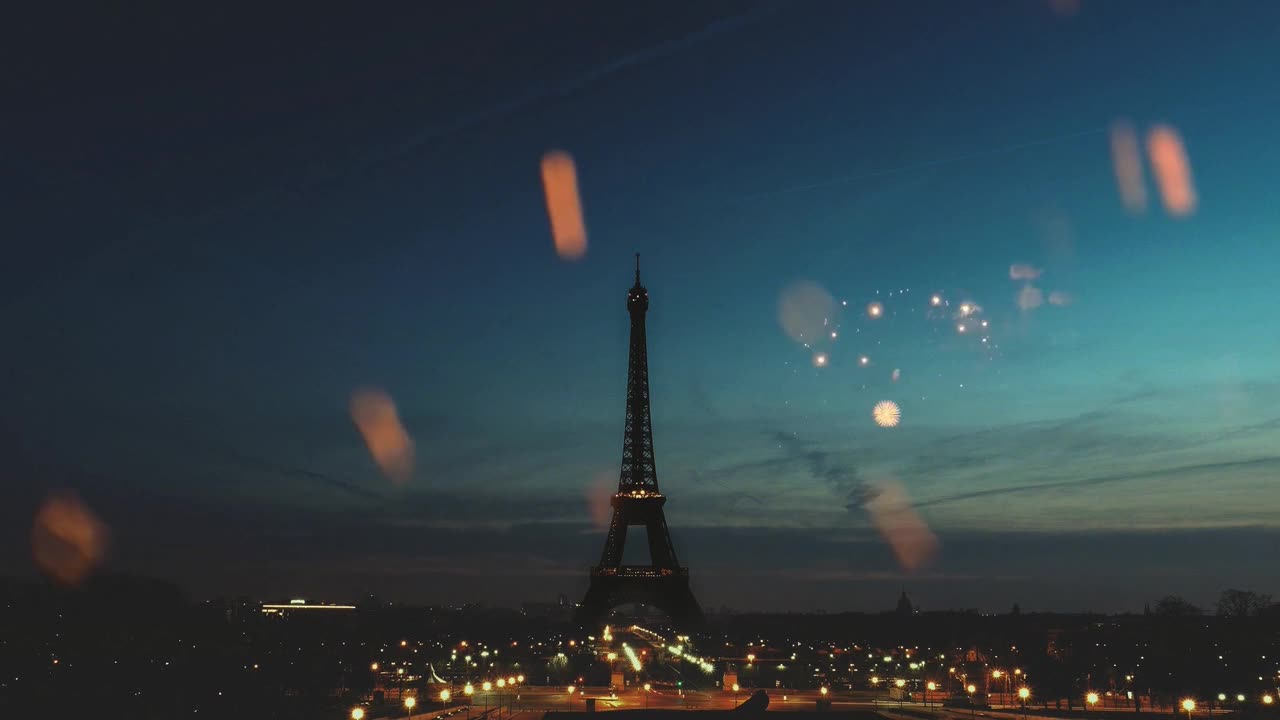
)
(224, 221)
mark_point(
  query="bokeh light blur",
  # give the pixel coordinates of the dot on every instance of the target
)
(805, 310)
(68, 540)
(374, 414)
(1172, 169)
(564, 206)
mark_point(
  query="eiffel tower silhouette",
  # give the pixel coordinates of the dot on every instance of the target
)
(662, 583)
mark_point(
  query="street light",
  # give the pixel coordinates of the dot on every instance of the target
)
(1024, 694)
(373, 667)
(930, 686)
(1092, 699)
(444, 698)
(409, 702)
(823, 690)
(901, 684)
(468, 691)
(971, 689)
(357, 713)
(751, 657)
(735, 694)
(647, 688)
(1189, 705)
(1240, 697)
(1267, 699)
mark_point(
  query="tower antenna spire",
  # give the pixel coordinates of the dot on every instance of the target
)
(637, 268)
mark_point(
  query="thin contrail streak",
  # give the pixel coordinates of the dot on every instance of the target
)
(926, 164)
(1102, 480)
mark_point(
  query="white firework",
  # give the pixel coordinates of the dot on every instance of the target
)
(886, 413)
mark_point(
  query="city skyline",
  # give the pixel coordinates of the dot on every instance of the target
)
(238, 244)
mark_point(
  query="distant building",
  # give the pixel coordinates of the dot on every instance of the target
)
(558, 611)
(904, 605)
(298, 605)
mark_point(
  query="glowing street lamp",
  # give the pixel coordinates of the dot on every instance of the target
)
(1092, 699)
(357, 713)
(647, 688)
(751, 657)
(570, 690)
(373, 667)
(444, 698)
(735, 694)
(1024, 694)
(1240, 697)
(1189, 705)
(823, 690)
(409, 702)
(930, 686)
(971, 689)
(1267, 699)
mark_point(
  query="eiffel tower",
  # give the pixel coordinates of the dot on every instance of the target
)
(662, 583)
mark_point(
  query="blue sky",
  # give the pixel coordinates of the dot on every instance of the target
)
(223, 247)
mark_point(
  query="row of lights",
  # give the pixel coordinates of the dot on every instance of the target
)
(411, 702)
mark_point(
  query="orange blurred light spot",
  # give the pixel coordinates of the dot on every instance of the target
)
(913, 543)
(1127, 163)
(375, 416)
(1065, 8)
(1172, 170)
(875, 310)
(68, 540)
(564, 206)
(599, 500)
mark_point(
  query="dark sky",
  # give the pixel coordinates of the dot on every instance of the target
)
(225, 220)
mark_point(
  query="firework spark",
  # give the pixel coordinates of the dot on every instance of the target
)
(886, 413)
